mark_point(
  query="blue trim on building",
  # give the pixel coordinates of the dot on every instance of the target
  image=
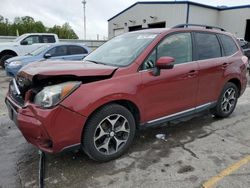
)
(180, 2)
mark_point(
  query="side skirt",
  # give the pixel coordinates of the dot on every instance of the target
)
(179, 115)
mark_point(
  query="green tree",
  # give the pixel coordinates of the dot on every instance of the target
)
(27, 24)
(64, 32)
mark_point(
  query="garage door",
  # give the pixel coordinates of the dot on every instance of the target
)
(118, 31)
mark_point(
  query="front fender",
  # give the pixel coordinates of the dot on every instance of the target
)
(88, 97)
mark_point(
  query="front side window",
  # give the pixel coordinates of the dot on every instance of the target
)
(207, 46)
(178, 46)
(58, 51)
(121, 50)
(31, 40)
(228, 44)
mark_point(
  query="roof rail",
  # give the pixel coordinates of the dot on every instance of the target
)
(198, 25)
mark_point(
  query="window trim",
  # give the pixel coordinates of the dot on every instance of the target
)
(140, 69)
(195, 44)
(235, 42)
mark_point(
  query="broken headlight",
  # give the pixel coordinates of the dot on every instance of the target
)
(52, 95)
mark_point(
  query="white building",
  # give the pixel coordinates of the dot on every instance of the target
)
(143, 15)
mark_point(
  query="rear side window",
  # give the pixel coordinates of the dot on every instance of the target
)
(228, 44)
(207, 46)
(74, 50)
(58, 51)
(48, 39)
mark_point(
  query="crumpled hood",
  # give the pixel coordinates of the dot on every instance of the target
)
(57, 68)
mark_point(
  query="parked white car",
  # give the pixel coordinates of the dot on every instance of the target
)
(24, 44)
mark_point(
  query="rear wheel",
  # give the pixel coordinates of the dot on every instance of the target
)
(227, 101)
(3, 58)
(108, 133)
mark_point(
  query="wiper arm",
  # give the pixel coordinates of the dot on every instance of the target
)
(96, 62)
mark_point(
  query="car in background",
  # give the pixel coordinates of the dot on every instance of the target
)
(25, 44)
(62, 51)
(246, 49)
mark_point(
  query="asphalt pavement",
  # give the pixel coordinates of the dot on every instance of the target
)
(199, 152)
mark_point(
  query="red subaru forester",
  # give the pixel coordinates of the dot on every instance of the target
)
(135, 80)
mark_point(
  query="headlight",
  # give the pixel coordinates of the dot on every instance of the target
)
(52, 95)
(14, 64)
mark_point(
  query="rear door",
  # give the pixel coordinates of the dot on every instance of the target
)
(174, 90)
(208, 53)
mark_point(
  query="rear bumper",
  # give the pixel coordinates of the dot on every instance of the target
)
(51, 130)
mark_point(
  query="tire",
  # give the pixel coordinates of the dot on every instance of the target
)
(108, 133)
(4, 58)
(227, 101)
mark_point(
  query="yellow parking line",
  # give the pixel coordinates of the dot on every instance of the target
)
(212, 181)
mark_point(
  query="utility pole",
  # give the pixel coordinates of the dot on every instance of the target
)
(84, 17)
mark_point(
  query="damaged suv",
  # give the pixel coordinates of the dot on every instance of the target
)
(136, 80)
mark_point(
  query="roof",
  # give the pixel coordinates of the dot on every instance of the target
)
(219, 8)
(39, 34)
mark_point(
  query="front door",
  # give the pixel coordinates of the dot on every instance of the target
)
(174, 90)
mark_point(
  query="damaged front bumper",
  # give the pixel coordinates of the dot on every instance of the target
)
(51, 130)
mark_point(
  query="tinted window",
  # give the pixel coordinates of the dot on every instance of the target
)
(31, 39)
(207, 46)
(229, 45)
(73, 50)
(48, 39)
(178, 46)
(58, 51)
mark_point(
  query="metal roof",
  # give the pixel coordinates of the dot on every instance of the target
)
(181, 2)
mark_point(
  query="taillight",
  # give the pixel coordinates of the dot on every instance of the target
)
(245, 60)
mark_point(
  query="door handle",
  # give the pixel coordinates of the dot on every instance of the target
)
(224, 65)
(192, 73)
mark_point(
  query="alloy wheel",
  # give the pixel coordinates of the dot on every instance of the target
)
(111, 134)
(228, 100)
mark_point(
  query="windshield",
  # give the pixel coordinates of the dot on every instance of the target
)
(38, 50)
(121, 50)
(20, 38)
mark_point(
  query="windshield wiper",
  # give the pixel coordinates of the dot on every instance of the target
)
(96, 62)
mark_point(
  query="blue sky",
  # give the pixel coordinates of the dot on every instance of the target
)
(52, 12)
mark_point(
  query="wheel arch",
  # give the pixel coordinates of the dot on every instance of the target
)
(237, 82)
(8, 52)
(131, 106)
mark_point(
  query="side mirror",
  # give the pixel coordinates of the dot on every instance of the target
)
(24, 42)
(47, 56)
(163, 63)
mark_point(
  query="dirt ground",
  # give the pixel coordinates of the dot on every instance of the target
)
(191, 154)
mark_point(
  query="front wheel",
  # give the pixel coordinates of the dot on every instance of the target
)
(108, 133)
(227, 101)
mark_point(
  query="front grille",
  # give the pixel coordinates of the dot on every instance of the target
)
(14, 93)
